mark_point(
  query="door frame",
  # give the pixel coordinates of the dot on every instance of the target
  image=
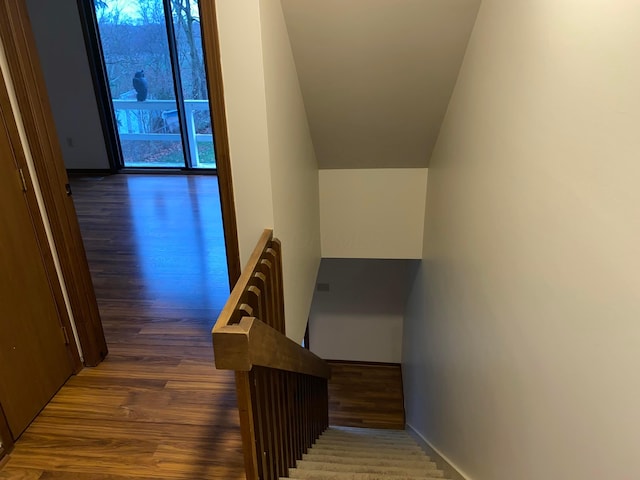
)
(34, 108)
(9, 121)
(100, 82)
(213, 72)
(217, 109)
(35, 112)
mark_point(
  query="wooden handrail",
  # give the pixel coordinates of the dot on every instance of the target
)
(241, 340)
(281, 386)
(253, 343)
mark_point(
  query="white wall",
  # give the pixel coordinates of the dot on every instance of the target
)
(63, 57)
(294, 171)
(372, 213)
(274, 170)
(522, 338)
(377, 75)
(244, 95)
(360, 316)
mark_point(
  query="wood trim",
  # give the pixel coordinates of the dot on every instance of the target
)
(440, 460)
(24, 68)
(213, 68)
(9, 121)
(307, 337)
(99, 79)
(99, 172)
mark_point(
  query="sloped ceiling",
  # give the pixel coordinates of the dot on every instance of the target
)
(376, 75)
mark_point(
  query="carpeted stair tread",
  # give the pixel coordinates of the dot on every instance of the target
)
(369, 453)
(376, 432)
(363, 468)
(326, 475)
(351, 453)
(364, 446)
(351, 438)
(383, 462)
(367, 441)
(364, 449)
(384, 435)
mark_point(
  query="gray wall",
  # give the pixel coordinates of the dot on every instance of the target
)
(522, 338)
(360, 316)
(63, 56)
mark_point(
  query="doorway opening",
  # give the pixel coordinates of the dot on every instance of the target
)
(32, 103)
(150, 75)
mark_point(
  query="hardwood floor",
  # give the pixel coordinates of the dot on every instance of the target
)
(156, 408)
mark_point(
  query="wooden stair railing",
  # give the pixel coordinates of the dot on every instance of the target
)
(281, 387)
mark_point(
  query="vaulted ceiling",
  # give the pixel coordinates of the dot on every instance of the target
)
(376, 75)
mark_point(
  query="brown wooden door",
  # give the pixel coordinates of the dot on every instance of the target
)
(34, 361)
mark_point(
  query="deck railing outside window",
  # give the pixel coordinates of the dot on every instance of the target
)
(157, 121)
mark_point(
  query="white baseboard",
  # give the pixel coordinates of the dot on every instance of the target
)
(442, 461)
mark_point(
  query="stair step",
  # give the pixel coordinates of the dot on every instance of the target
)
(368, 432)
(402, 438)
(324, 475)
(390, 447)
(352, 453)
(381, 437)
(431, 470)
(344, 437)
(367, 453)
(423, 462)
(364, 450)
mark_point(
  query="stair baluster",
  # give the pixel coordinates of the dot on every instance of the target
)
(281, 387)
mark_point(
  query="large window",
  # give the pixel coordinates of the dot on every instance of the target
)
(152, 60)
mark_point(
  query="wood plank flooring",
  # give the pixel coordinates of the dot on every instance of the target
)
(366, 395)
(156, 408)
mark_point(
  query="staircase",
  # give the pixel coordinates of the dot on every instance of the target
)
(347, 453)
(283, 398)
